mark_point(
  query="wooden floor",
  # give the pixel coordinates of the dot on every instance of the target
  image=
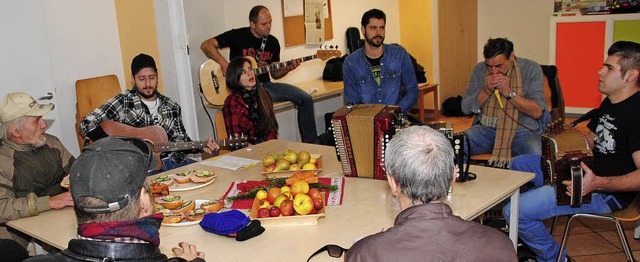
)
(589, 239)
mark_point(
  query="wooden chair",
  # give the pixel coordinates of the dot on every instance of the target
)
(90, 94)
(553, 97)
(631, 213)
(221, 129)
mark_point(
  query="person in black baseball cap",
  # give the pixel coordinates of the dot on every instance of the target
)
(114, 207)
(143, 106)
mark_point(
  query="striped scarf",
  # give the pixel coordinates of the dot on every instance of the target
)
(494, 116)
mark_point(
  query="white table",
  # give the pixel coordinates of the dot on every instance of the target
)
(367, 209)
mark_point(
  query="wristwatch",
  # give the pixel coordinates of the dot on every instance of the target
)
(512, 95)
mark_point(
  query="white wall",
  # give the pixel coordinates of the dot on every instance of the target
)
(206, 19)
(524, 22)
(60, 42)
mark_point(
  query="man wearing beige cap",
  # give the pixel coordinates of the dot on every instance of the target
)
(32, 162)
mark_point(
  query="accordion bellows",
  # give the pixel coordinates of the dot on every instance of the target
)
(562, 151)
(362, 133)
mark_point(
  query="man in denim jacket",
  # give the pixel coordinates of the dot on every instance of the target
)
(378, 73)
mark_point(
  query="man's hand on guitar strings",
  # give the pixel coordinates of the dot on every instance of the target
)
(211, 146)
(293, 65)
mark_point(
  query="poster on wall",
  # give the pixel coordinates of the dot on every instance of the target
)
(314, 13)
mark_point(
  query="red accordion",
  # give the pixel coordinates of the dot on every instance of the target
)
(362, 133)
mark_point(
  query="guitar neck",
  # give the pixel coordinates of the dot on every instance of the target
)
(276, 66)
(179, 146)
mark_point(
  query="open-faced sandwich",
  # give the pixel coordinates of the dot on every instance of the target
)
(213, 205)
(202, 176)
(183, 177)
(196, 214)
(170, 201)
(171, 218)
(186, 206)
(165, 179)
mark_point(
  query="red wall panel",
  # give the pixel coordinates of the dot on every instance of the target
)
(579, 56)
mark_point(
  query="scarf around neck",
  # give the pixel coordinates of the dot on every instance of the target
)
(494, 116)
(144, 228)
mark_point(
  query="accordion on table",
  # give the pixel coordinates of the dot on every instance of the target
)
(362, 133)
(562, 151)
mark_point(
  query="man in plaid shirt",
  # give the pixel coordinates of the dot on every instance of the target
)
(144, 106)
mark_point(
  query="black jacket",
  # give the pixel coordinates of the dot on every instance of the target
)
(88, 250)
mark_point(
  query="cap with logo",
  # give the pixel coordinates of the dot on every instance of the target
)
(20, 104)
(112, 169)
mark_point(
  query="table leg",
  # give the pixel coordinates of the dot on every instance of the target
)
(513, 218)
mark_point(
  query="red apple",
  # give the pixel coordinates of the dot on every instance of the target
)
(263, 212)
(286, 207)
(314, 193)
(274, 211)
(317, 203)
(313, 212)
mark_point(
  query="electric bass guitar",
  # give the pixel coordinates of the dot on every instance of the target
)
(214, 85)
(157, 137)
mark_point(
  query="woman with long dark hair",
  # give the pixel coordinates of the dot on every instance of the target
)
(248, 110)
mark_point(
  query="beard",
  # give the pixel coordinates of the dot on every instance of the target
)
(144, 95)
(40, 142)
(373, 41)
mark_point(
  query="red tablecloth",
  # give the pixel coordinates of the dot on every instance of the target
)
(331, 198)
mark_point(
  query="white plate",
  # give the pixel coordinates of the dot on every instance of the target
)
(184, 222)
(188, 186)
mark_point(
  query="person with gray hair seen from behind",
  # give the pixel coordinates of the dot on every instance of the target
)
(420, 170)
(114, 207)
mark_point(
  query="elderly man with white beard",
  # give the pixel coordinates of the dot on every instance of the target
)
(420, 170)
(32, 165)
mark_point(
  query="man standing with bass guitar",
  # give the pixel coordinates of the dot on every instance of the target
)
(144, 106)
(256, 41)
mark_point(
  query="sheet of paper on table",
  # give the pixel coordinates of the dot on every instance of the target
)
(230, 162)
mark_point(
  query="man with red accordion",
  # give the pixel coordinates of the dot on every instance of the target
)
(614, 178)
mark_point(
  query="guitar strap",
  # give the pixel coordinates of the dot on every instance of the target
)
(259, 53)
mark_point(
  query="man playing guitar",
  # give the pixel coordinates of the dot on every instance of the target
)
(144, 106)
(256, 41)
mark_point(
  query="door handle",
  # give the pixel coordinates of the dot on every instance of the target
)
(49, 96)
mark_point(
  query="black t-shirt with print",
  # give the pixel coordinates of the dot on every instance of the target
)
(617, 129)
(242, 42)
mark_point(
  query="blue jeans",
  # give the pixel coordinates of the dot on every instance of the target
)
(168, 164)
(482, 139)
(281, 92)
(539, 204)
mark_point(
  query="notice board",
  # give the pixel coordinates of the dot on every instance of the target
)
(294, 27)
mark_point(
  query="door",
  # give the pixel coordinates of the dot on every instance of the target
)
(26, 63)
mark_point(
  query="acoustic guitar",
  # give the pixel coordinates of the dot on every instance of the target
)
(214, 85)
(157, 137)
